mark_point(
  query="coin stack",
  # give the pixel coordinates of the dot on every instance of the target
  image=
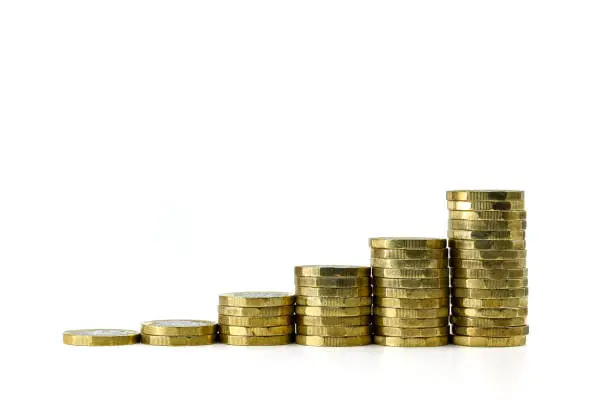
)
(334, 305)
(410, 291)
(488, 267)
(256, 318)
(182, 332)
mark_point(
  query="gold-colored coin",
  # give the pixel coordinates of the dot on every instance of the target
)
(411, 341)
(484, 322)
(491, 331)
(490, 303)
(486, 205)
(255, 340)
(408, 243)
(405, 303)
(337, 271)
(500, 313)
(411, 313)
(410, 263)
(485, 195)
(333, 311)
(409, 253)
(178, 340)
(101, 337)
(257, 331)
(179, 327)
(332, 320)
(411, 283)
(490, 341)
(256, 311)
(487, 215)
(407, 322)
(489, 235)
(490, 283)
(407, 273)
(488, 254)
(334, 331)
(486, 244)
(334, 301)
(411, 293)
(411, 332)
(487, 225)
(488, 264)
(324, 341)
(489, 293)
(332, 282)
(334, 292)
(255, 321)
(256, 299)
(467, 273)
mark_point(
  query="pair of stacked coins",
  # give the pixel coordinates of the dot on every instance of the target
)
(256, 318)
(179, 332)
(410, 291)
(334, 305)
(488, 267)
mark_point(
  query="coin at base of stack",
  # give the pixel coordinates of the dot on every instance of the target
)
(179, 332)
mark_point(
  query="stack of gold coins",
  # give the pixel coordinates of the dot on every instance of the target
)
(180, 332)
(101, 337)
(488, 267)
(334, 305)
(256, 318)
(410, 291)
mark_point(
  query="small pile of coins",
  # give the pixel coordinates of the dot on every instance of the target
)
(488, 267)
(411, 291)
(334, 305)
(180, 332)
(101, 337)
(256, 318)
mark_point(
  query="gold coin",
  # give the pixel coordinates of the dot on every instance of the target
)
(408, 243)
(410, 263)
(489, 235)
(409, 253)
(411, 313)
(486, 244)
(407, 322)
(334, 331)
(485, 205)
(411, 341)
(256, 311)
(504, 313)
(467, 273)
(256, 299)
(101, 337)
(490, 341)
(490, 303)
(333, 311)
(332, 282)
(488, 264)
(490, 283)
(411, 293)
(432, 303)
(178, 340)
(179, 327)
(334, 292)
(332, 320)
(484, 322)
(337, 271)
(485, 195)
(488, 254)
(334, 301)
(491, 331)
(407, 273)
(411, 283)
(257, 331)
(255, 340)
(411, 332)
(255, 321)
(489, 293)
(487, 225)
(487, 215)
(324, 341)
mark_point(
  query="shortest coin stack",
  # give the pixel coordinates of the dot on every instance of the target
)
(256, 318)
(180, 332)
(101, 337)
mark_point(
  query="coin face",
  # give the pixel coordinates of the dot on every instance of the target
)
(179, 327)
(257, 295)
(102, 332)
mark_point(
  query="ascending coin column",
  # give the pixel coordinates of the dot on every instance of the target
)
(411, 291)
(333, 305)
(256, 318)
(488, 267)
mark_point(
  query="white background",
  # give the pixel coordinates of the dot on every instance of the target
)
(155, 154)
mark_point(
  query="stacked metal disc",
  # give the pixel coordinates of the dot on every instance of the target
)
(488, 267)
(183, 332)
(411, 288)
(101, 337)
(256, 318)
(334, 305)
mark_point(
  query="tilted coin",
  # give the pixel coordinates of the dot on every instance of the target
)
(332, 282)
(334, 331)
(101, 337)
(178, 340)
(486, 205)
(485, 195)
(490, 303)
(334, 292)
(411, 341)
(411, 293)
(257, 331)
(332, 320)
(484, 322)
(431, 303)
(490, 341)
(332, 270)
(406, 322)
(489, 293)
(467, 273)
(334, 301)
(410, 263)
(179, 327)
(490, 313)
(333, 311)
(487, 225)
(488, 253)
(409, 253)
(324, 341)
(408, 243)
(488, 264)
(411, 332)
(256, 299)
(490, 283)
(411, 283)
(486, 244)
(490, 235)
(256, 311)
(411, 313)
(255, 340)
(491, 331)
(487, 215)
(408, 273)
(255, 321)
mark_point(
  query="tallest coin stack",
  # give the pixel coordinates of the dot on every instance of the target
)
(488, 267)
